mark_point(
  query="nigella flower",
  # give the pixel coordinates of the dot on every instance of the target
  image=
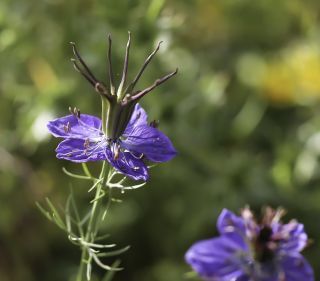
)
(85, 141)
(123, 137)
(251, 251)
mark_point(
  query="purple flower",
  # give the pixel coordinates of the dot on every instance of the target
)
(251, 251)
(85, 141)
(124, 138)
(120, 100)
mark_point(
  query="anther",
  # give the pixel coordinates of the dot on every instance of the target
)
(86, 143)
(126, 98)
(76, 112)
(97, 87)
(66, 128)
(154, 123)
(101, 89)
(116, 153)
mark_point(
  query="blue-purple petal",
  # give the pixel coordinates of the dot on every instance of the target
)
(78, 150)
(232, 256)
(86, 126)
(129, 165)
(297, 269)
(243, 277)
(297, 238)
(229, 223)
(150, 142)
(216, 259)
(138, 117)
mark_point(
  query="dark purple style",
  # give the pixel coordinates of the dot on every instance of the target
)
(248, 251)
(85, 141)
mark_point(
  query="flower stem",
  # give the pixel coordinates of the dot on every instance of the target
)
(93, 221)
(95, 214)
(82, 268)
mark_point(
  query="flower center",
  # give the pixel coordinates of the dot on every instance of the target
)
(264, 246)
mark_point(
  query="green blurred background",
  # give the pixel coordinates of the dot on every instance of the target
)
(243, 112)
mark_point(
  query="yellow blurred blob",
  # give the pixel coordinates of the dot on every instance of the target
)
(293, 77)
(42, 74)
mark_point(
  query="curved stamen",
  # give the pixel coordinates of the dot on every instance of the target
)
(76, 113)
(128, 162)
(98, 145)
(115, 150)
(93, 129)
(135, 156)
(138, 137)
(88, 148)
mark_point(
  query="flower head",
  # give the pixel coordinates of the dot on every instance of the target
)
(84, 140)
(250, 251)
(121, 100)
(122, 136)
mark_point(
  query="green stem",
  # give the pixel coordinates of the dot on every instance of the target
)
(82, 267)
(94, 218)
(96, 204)
(86, 170)
(95, 209)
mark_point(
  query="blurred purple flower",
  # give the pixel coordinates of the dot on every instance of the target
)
(85, 141)
(248, 251)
